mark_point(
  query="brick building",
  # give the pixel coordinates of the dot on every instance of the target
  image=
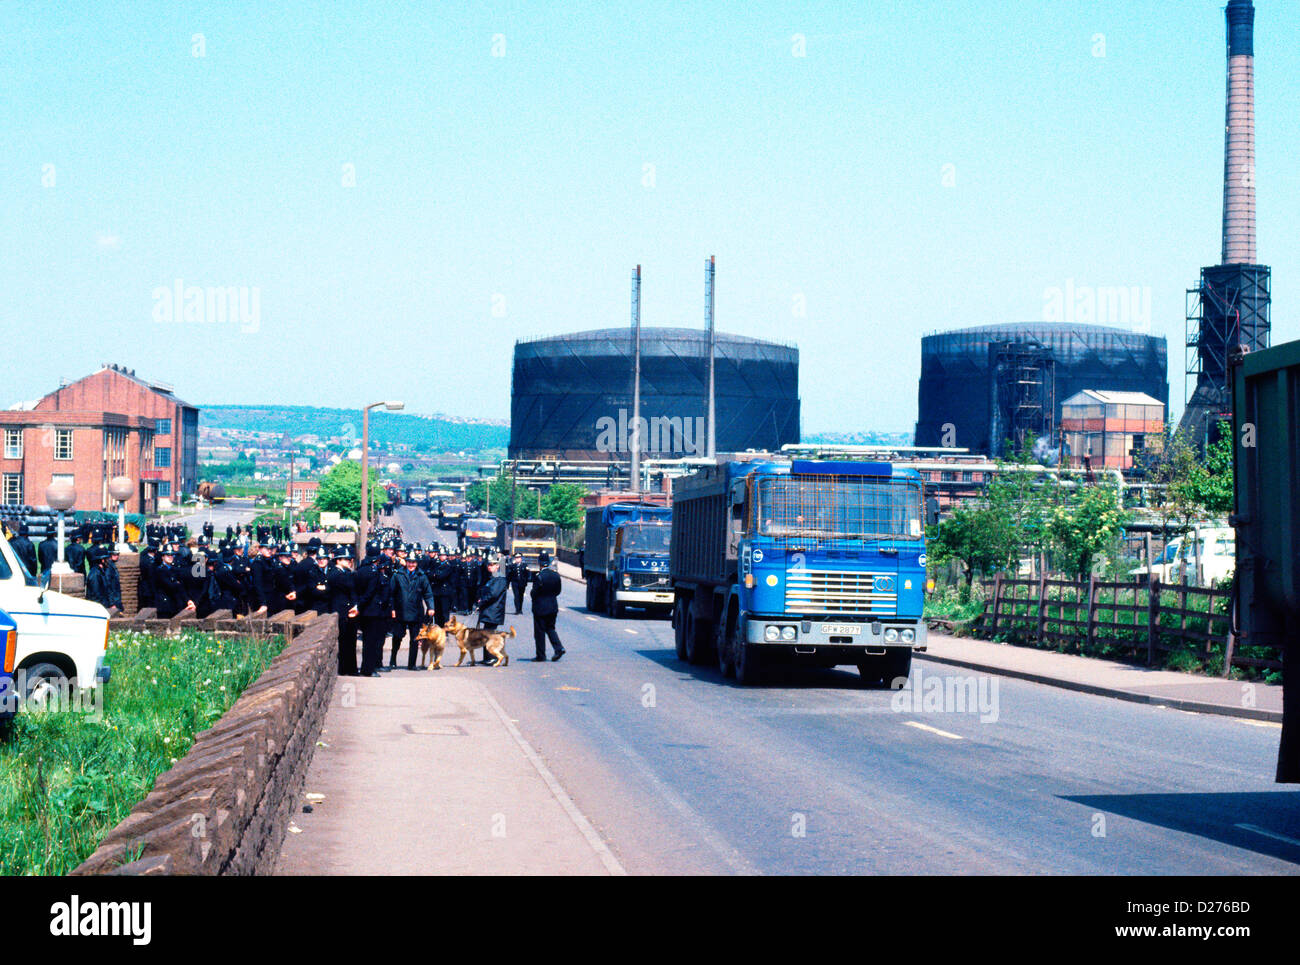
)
(1110, 429)
(108, 424)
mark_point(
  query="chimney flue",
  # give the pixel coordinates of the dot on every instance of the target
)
(1239, 137)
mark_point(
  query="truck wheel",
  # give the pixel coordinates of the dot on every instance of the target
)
(612, 606)
(726, 654)
(591, 597)
(43, 686)
(679, 628)
(749, 666)
(895, 669)
(698, 637)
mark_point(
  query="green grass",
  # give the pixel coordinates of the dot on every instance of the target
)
(66, 779)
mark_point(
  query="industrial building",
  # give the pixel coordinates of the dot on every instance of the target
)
(983, 386)
(1228, 310)
(1110, 430)
(572, 395)
(108, 424)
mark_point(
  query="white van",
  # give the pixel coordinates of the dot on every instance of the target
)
(1217, 549)
(1161, 566)
(60, 638)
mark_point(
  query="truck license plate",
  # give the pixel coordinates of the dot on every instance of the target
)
(841, 628)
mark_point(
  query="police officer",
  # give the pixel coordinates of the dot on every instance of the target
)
(145, 593)
(75, 553)
(341, 581)
(24, 548)
(441, 582)
(517, 575)
(98, 584)
(282, 593)
(171, 594)
(546, 605)
(374, 609)
(491, 603)
(304, 576)
(261, 579)
(48, 553)
(412, 603)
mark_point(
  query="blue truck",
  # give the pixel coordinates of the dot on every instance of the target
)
(821, 563)
(625, 557)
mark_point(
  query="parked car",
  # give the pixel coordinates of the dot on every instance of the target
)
(1213, 550)
(1159, 567)
(61, 640)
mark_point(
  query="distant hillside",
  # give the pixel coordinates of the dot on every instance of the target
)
(868, 438)
(436, 433)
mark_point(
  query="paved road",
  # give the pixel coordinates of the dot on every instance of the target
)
(229, 513)
(680, 771)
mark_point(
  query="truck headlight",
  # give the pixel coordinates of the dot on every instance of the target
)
(909, 635)
(891, 634)
(627, 580)
(787, 633)
(772, 633)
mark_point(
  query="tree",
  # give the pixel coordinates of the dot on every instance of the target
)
(505, 496)
(1089, 521)
(978, 536)
(1210, 485)
(561, 505)
(340, 491)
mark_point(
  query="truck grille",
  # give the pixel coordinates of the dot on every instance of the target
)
(839, 591)
(649, 580)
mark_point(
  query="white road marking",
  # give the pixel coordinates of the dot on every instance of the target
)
(1268, 834)
(629, 630)
(591, 618)
(1257, 723)
(933, 730)
(583, 825)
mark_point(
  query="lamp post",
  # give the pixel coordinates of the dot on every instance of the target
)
(363, 524)
(121, 488)
(60, 497)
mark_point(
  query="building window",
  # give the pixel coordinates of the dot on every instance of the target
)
(164, 489)
(13, 443)
(162, 458)
(164, 427)
(13, 489)
(62, 443)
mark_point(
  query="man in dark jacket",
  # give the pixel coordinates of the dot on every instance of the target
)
(442, 589)
(282, 593)
(261, 580)
(24, 548)
(517, 575)
(48, 553)
(374, 609)
(97, 583)
(343, 602)
(145, 593)
(171, 596)
(75, 553)
(546, 604)
(412, 603)
(491, 603)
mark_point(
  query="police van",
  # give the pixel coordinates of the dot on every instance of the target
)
(61, 640)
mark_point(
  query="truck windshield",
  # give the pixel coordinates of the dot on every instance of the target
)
(480, 528)
(646, 538)
(845, 507)
(534, 531)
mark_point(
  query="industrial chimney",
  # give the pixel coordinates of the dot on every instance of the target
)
(1239, 137)
(1229, 310)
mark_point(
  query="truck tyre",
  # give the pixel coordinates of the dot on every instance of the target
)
(612, 605)
(43, 686)
(591, 602)
(725, 645)
(680, 611)
(748, 662)
(699, 634)
(895, 668)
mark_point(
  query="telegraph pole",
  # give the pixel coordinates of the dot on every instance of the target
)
(711, 445)
(636, 380)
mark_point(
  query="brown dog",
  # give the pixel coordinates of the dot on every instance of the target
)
(470, 639)
(432, 638)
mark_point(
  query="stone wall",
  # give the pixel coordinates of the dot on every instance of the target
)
(224, 808)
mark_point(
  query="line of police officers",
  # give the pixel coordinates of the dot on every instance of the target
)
(396, 588)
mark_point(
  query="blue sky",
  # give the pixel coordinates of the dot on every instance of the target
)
(506, 197)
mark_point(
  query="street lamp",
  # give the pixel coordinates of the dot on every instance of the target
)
(60, 497)
(363, 524)
(121, 488)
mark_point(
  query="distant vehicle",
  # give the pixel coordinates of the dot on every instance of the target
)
(436, 498)
(530, 538)
(1159, 567)
(417, 495)
(813, 562)
(61, 639)
(213, 492)
(1208, 559)
(450, 514)
(625, 557)
(479, 533)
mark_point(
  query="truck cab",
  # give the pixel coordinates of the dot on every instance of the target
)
(61, 640)
(530, 538)
(478, 533)
(820, 563)
(638, 575)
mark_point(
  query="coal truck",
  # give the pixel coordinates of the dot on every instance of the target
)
(802, 562)
(625, 557)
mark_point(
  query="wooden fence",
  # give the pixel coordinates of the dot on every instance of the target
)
(1143, 619)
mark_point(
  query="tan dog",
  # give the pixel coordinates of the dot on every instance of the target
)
(470, 639)
(432, 639)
